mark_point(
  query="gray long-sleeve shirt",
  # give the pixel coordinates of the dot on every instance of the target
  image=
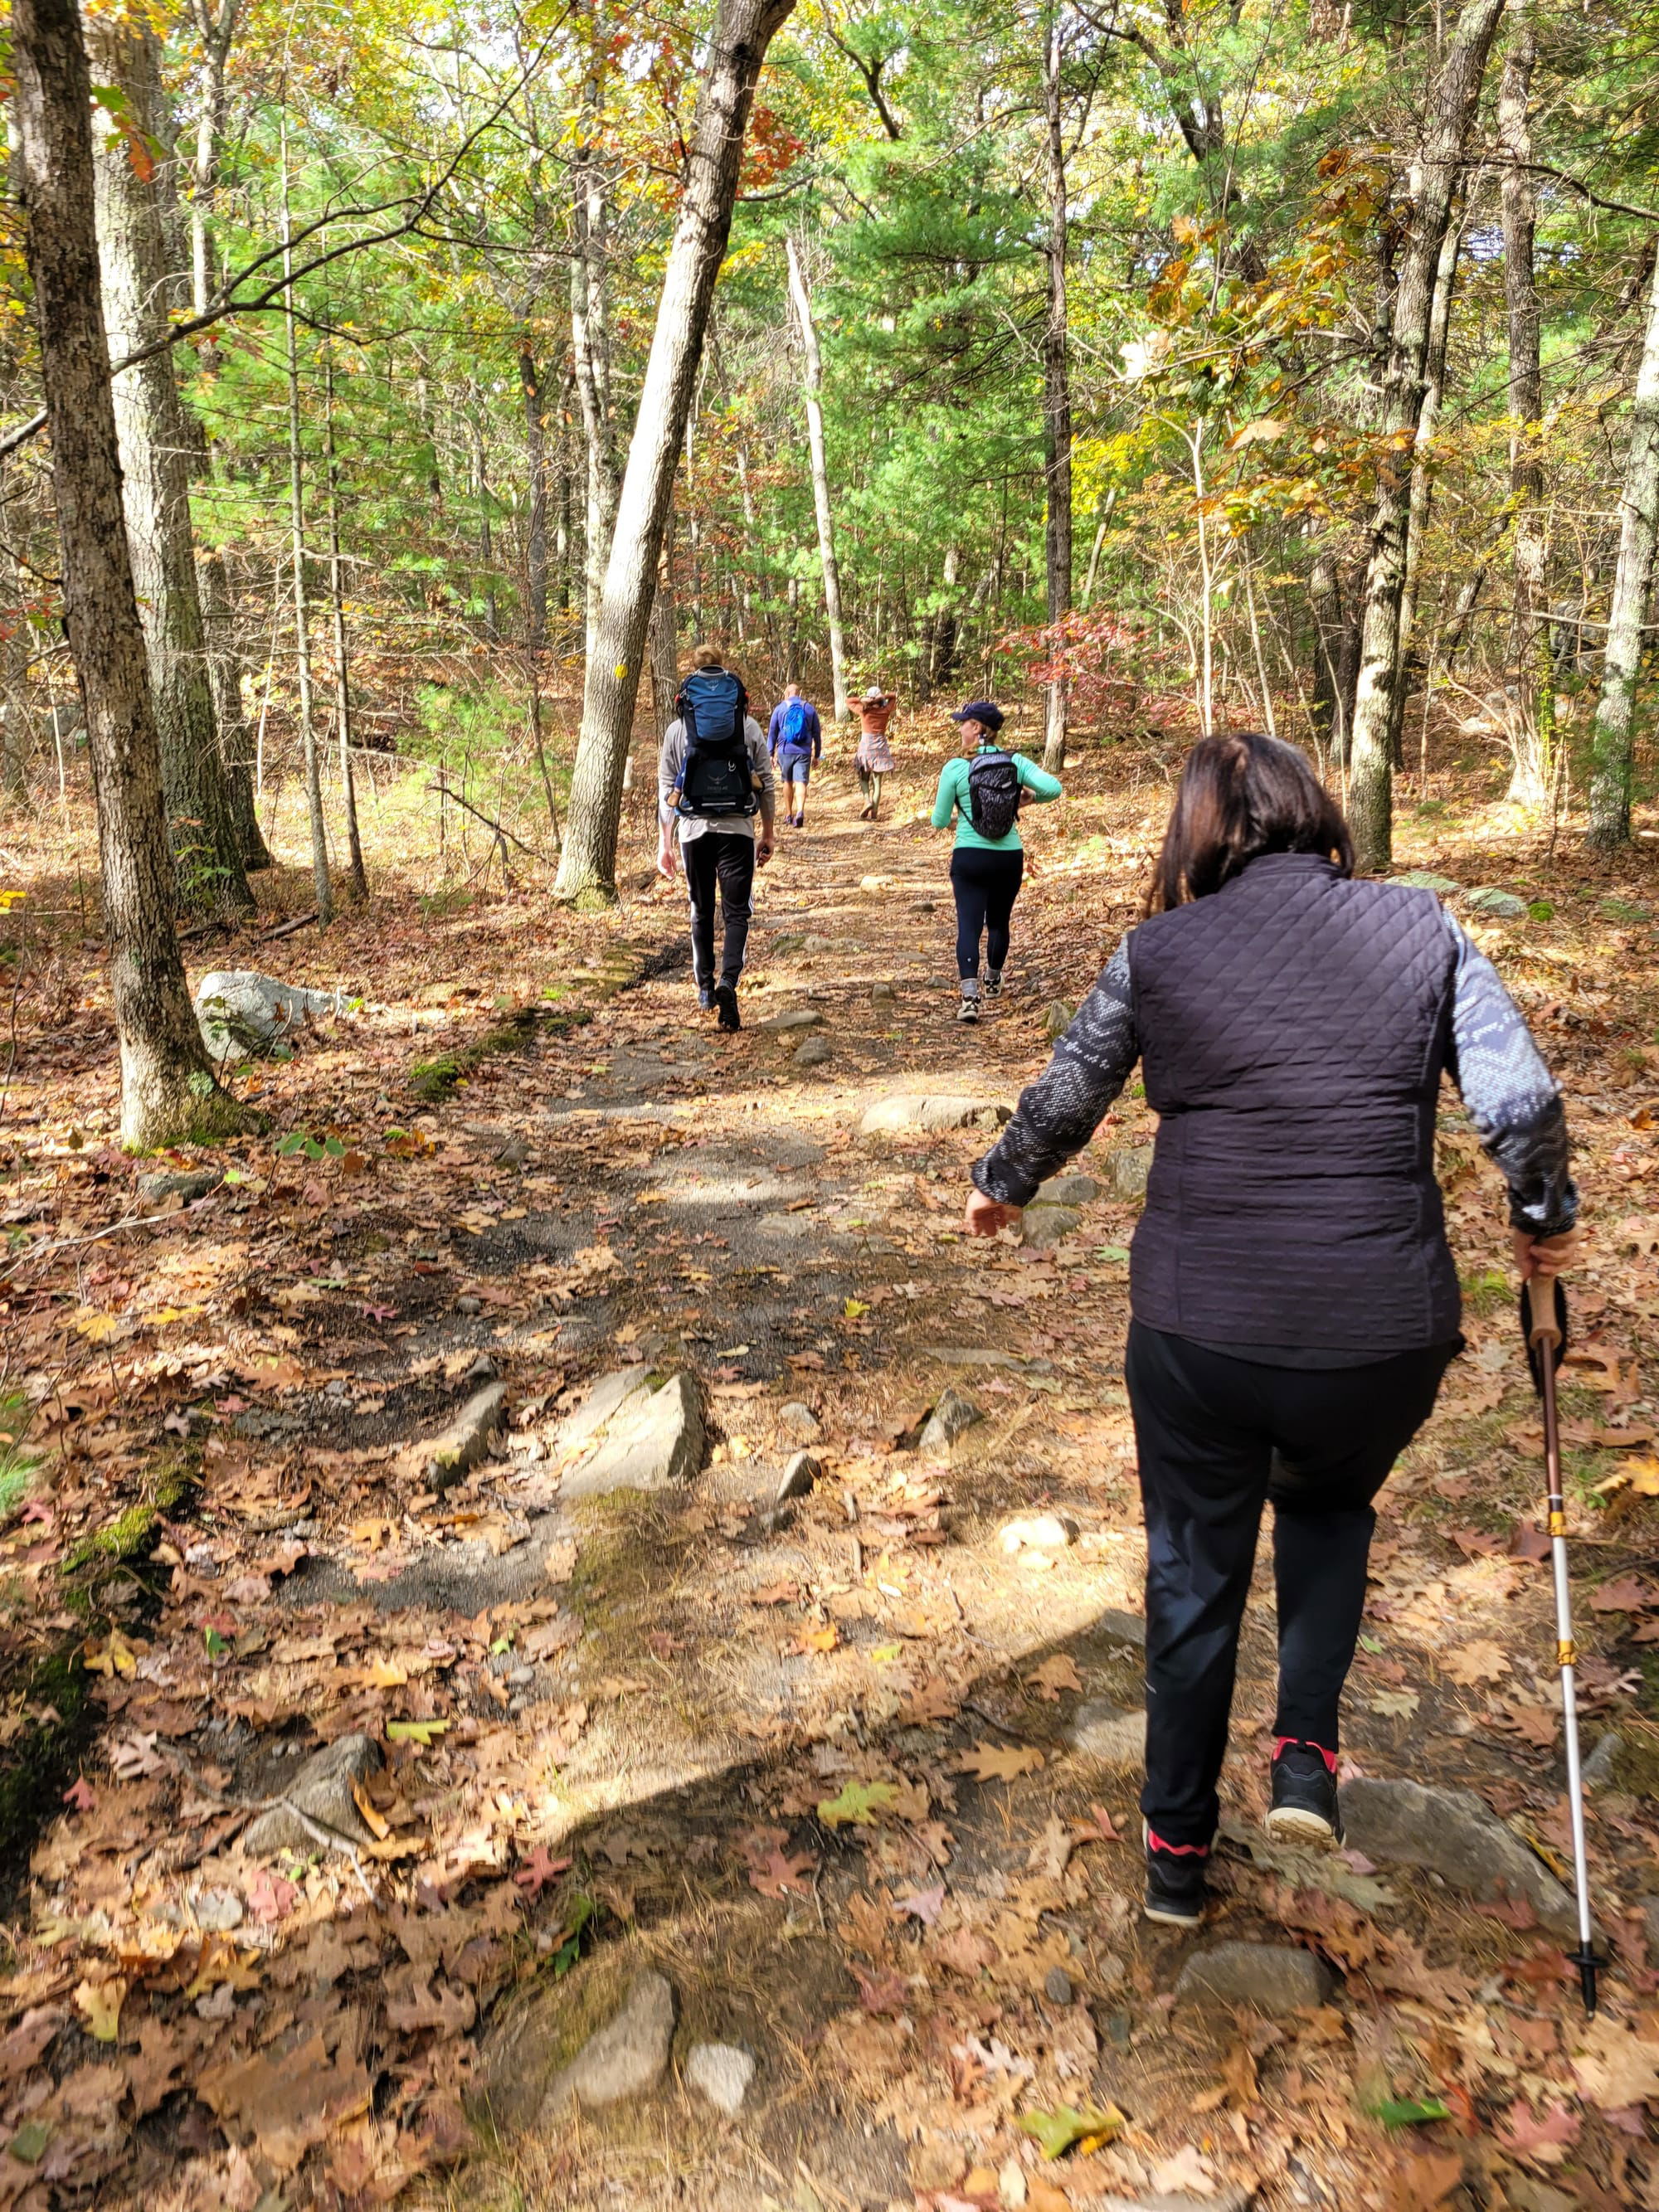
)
(1510, 1094)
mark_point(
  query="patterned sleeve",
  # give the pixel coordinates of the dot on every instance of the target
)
(1510, 1095)
(1061, 1111)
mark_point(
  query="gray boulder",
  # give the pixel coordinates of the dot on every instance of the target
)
(1128, 1170)
(626, 2057)
(951, 1418)
(934, 1110)
(321, 1788)
(813, 1053)
(182, 1183)
(1451, 1834)
(1073, 1190)
(639, 1430)
(241, 1011)
(1275, 1978)
(1043, 1226)
(467, 1439)
(722, 2072)
(1503, 906)
(1109, 1734)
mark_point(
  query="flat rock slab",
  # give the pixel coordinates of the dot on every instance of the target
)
(1043, 1226)
(649, 1435)
(185, 1184)
(934, 1110)
(1452, 1833)
(321, 1790)
(1275, 1978)
(1424, 879)
(628, 2057)
(1110, 1733)
(722, 2072)
(467, 1439)
(1502, 905)
(798, 1017)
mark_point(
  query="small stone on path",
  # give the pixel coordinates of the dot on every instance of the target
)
(217, 1911)
(1452, 1833)
(933, 1111)
(816, 943)
(1108, 1733)
(626, 2057)
(951, 1418)
(1424, 879)
(1074, 1189)
(813, 1053)
(799, 1422)
(1057, 1017)
(883, 994)
(1038, 1532)
(1275, 1978)
(1128, 1170)
(802, 1471)
(722, 2073)
(321, 1788)
(797, 1017)
(465, 1442)
(1057, 1986)
(640, 1432)
(1597, 1770)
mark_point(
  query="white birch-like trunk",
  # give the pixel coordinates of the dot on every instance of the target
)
(1612, 749)
(811, 387)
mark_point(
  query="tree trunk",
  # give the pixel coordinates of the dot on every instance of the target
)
(167, 1087)
(535, 442)
(665, 666)
(736, 51)
(296, 511)
(590, 334)
(1434, 181)
(1534, 782)
(1327, 706)
(1612, 747)
(155, 447)
(342, 664)
(812, 382)
(1056, 397)
(1422, 491)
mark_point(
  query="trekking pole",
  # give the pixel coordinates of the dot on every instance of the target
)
(1544, 1325)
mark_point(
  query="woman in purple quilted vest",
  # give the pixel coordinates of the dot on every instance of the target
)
(1294, 1303)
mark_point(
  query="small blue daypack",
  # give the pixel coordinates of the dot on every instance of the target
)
(791, 731)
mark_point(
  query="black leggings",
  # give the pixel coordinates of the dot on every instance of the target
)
(1217, 1436)
(722, 859)
(986, 885)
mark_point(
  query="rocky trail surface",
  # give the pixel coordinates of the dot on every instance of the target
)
(633, 1696)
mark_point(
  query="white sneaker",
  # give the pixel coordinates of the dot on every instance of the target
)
(969, 1010)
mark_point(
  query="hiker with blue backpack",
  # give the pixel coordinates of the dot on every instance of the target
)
(713, 777)
(795, 738)
(984, 789)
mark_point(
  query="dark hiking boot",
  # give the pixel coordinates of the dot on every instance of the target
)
(706, 997)
(1304, 1809)
(726, 1002)
(994, 982)
(1176, 1884)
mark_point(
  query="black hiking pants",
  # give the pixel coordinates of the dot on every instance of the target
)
(985, 884)
(1218, 1435)
(722, 861)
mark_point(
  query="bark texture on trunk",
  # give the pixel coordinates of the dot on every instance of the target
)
(1056, 392)
(665, 663)
(1434, 180)
(1422, 491)
(1612, 749)
(811, 385)
(1328, 707)
(296, 515)
(590, 334)
(1534, 782)
(168, 1088)
(737, 49)
(358, 874)
(155, 449)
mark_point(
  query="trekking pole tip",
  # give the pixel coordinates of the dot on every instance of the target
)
(1588, 1963)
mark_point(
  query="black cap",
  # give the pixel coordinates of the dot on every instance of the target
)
(980, 710)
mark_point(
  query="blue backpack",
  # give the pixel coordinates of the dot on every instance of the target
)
(717, 778)
(791, 731)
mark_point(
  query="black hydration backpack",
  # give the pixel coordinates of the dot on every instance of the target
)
(717, 778)
(992, 793)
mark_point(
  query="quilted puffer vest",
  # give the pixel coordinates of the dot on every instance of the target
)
(1293, 1028)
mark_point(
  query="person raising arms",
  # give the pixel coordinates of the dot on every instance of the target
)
(874, 757)
(984, 789)
(1294, 1303)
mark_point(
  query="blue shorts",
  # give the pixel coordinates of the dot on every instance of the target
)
(795, 767)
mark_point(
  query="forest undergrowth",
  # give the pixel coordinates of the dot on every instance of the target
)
(820, 1762)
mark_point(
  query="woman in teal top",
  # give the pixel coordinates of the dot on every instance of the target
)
(985, 790)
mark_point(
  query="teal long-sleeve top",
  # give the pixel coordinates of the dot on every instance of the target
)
(952, 798)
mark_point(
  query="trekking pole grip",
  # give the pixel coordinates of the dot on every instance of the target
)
(1542, 1327)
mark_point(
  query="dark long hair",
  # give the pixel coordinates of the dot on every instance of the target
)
(1240, 795)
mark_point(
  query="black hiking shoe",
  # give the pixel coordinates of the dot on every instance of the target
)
(994, 982)
(726, 1002)
(1304, 1809)
(706, 997)
(1176, 1884)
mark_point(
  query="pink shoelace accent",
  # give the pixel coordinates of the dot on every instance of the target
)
(1156, 1842)
(1294, 1742)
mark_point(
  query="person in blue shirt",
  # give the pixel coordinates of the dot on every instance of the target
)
(795, 738)
(984, 789)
